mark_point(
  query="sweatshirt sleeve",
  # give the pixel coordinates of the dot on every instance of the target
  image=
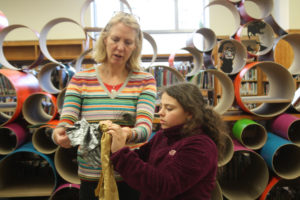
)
(191, 163)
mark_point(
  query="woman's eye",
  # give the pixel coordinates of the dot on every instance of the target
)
(115, 39)
(128, 43)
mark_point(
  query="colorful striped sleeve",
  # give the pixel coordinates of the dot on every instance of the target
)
(145, 109)
(72, 102)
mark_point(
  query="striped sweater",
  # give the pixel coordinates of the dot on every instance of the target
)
(87, 97)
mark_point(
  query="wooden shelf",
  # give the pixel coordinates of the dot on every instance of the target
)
(29, 50)
(264, 99)
(18, 51)
(237, 115)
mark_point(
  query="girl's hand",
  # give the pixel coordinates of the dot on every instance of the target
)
(60, 137)
(119, 137)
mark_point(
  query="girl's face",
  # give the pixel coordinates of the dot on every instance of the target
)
(171, 112)
(120, 43)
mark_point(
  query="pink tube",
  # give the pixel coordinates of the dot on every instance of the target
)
(287, 126)
(12, 136)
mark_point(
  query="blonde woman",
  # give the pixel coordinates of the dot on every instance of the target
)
(116, 85)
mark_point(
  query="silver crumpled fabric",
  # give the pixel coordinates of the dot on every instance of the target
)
(88, 137)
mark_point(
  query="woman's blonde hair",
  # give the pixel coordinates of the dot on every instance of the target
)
(100, 54)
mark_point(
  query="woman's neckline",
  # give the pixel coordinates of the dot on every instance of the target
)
(112, 79)
(111, 94)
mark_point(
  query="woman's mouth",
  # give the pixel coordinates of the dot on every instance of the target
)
(118, 56)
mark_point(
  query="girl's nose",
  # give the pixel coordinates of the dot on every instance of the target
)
(161, 112)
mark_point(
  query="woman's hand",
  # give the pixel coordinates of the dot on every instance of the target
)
(60, 137)
(119, 137)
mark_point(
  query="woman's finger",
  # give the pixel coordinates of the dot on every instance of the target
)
(106, 122)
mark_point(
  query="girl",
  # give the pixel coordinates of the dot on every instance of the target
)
(180, 161)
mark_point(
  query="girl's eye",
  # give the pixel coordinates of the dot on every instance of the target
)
(169, 109)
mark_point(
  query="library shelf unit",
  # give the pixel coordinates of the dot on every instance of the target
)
(24, 52)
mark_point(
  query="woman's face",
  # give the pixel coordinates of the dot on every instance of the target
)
(120, 44)
(171, 112)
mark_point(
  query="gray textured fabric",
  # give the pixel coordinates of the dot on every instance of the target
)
(87, 136)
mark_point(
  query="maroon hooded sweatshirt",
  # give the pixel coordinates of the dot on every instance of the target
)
(170, 167)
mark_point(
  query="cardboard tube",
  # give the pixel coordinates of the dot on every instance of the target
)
(3, 60)
(197, 59)
(250, 133)
(12, 136)
(217, 193)
(66, 164)
(287, 126)
(265, 7)
(42, 140)
(153, 44)
(282, 156)
(27, 173)
(235, 1)
(45, 30)
(208, 60)
(232, 56)
(277, 29)
(85, 7)
(227, 97)
(279, 188)
(245, 176)
(279, 96)
(227, 153)
(66, 191)
(18, 85)
(60, 100)
(257, 36)
(83, 10)
(203, 39)
(61, 73)
(38, 110)
(80, 58)
(271, 184)
(231, 8)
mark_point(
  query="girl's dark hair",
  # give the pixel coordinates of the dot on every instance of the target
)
(190, 98)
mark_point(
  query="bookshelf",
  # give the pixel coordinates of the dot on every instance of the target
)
(165, 75)
(8, 98)
(254, 83)
(206, 83)
(25, 52)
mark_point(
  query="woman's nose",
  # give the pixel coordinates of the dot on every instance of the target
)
(121, 46)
